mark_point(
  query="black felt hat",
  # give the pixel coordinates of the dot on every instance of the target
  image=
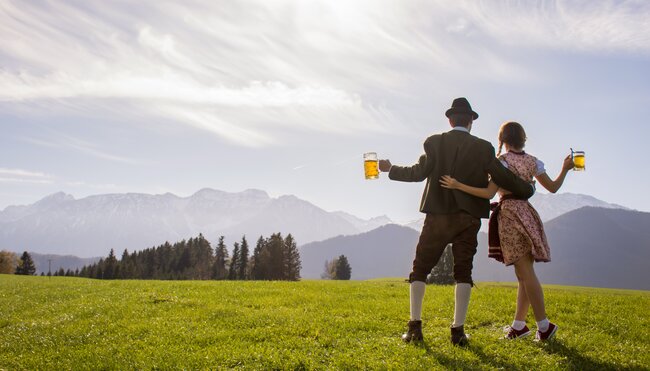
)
(461, 105)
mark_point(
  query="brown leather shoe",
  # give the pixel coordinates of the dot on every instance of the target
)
(458, 336)
(414, 333)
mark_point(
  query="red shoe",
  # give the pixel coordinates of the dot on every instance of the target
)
(511, 333)
(548, 334)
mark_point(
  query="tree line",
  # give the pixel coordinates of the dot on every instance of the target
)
(273, 258)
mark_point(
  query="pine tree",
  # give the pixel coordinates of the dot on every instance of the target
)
(233, 271)
(204, 256)
(443, 272)
(275, 266)
(219, 270)
(125, 267)
(110, 265)
(98, 269)
(185, 260)
(291, 258)
(167, 256)
(343, 271)
(259, 260)
(188, 256)
(243, 259)
(26, 265)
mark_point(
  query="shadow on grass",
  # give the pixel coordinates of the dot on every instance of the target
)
(578, 361)
(486, 360)
(459, 363)
(574, 360)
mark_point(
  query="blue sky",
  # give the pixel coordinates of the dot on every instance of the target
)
(285, 96)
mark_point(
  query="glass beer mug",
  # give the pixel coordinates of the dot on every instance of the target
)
(578, 160)
(371, 165)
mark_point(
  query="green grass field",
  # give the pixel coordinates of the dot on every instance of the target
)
(73, 323)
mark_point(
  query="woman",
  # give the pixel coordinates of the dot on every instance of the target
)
(516, 231)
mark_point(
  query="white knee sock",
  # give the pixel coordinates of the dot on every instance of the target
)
(543, 325)
(463, 291)
(518, 325)
(417, 296)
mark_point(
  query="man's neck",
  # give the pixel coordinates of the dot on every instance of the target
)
(461, 128)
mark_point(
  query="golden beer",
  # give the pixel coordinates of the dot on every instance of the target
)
(579, 160)
(371, 165)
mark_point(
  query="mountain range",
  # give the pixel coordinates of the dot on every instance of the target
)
(91, 226)
(590, 246)
(550, 206)
(45, 263)
(384, 252)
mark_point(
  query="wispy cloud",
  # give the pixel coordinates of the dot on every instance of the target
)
(23, 173)
(25, 180)
(18, 176)
(24, 176)
(595, 26)
(68, 142)
(246, 70)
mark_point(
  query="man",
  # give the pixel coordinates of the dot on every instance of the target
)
(452, 216)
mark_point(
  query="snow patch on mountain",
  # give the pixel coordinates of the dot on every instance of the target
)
(364, 225)
(91, 226)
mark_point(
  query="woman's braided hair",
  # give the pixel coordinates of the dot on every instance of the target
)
(512, 134)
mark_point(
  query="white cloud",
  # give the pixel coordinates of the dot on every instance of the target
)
(242, 70)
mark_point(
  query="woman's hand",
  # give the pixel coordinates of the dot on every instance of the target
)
(568, 163)
(448, 182)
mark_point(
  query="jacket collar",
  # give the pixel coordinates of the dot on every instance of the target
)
(460, 128)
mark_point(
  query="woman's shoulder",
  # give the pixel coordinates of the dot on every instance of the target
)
(519, 157)
(539, 165)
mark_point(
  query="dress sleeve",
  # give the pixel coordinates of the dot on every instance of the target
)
(540, 167)
(502, 160)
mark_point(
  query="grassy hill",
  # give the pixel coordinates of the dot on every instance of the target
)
(73, 323)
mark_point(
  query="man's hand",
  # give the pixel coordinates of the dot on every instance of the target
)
(384, 165)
